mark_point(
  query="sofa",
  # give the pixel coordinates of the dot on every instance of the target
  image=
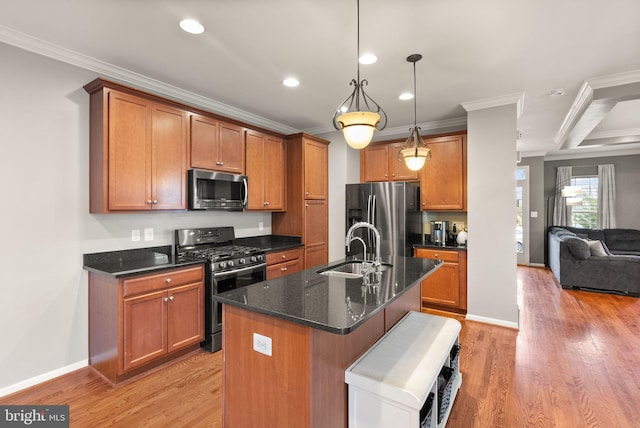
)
(606, 260)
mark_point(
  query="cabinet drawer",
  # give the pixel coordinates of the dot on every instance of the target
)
(159, 281)
(283, 256)
(446, 255)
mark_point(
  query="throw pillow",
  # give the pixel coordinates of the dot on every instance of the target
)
(597, 248)
(578, 247)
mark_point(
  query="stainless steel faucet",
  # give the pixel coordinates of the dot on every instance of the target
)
(350, 238)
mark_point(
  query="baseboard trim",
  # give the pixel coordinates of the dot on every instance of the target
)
(494, 321)
(537, 265)
(42, 378)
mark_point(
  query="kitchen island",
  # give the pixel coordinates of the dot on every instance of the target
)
(287, 341)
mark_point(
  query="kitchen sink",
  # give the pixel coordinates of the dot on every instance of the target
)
(352, 269)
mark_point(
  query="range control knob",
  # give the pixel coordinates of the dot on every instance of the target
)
(223, 265)
(242, 261)
(230, 263)
(253, 258)
(260, 257)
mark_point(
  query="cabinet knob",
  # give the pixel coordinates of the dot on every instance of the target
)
(306, 193)
(149, 201)
(168, 280)
(221, 163)
(306, 205)
(171, 298)
(218, 163)
(393, 175)
(284, 257)
(166, 299)
(283, 269)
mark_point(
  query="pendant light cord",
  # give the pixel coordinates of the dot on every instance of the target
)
(358, 53)
(415, 98)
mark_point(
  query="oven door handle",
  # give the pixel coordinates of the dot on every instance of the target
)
(236, 271)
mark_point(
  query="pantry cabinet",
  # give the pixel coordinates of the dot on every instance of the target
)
(138, 151)
(141, 321)
(266, 160)
(379, 162)
(443, 179)
(216, 145)
(307, 197)
(446, 288)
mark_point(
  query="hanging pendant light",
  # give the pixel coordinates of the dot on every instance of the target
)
(415, 151)
(358, 125)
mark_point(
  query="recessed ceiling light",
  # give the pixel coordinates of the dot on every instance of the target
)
(557, 93)
(406, 96)
(368, 58)
(192, 26)
(291, 82)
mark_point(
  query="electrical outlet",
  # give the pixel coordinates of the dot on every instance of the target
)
(262, 344)
(148, 234)
(135, 235)
(260, 225)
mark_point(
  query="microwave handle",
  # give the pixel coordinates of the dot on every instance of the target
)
(245, 199)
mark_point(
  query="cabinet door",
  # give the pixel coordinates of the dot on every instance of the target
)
(442, 287)
(255, 170)
(204, 142)
(129, 152)
(315, 170)
(274, 173)
(442, 179)
(144, 328)
(374, 163)
(169, 162)
(315, 235)
(398, 169)
(185, 315)
(231, 149)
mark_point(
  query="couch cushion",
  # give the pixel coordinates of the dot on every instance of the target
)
(578, 247)
(597, 248)
(627, 240)
(591, 233)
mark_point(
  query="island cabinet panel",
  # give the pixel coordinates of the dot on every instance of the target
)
(409, 301)
(138, 151)
(446, 288)
(216, 145)
(301, 384)
(141, 321)
(443, 179)
(266, 159)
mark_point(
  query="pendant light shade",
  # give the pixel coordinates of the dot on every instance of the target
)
(415, 152)
(358, 124)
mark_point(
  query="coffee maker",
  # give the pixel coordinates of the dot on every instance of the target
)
(439, 232)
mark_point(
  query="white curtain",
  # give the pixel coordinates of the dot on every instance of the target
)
(606, 197)
(562, 212)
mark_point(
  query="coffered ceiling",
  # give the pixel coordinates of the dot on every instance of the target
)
(472, 51)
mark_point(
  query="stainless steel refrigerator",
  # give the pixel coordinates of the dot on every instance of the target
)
(393, 208)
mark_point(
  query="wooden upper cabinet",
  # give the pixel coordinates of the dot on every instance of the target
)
(379, 162)
(265, 171)
(216, 145)
(138, 152)
(316, 158)
(443, 178)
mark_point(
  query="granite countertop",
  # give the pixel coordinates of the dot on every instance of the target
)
(271, 242)
(134, 262)
(334, 304)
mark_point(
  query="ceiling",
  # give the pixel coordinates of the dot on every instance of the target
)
(472, 51)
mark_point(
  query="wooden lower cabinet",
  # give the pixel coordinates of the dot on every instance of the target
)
(446, 288)
(141, 321)
(281, 263)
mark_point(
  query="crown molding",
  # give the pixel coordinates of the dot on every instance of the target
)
(516, 98)
(457, 122)
(594, 152)
(50, 50)
(615, 79)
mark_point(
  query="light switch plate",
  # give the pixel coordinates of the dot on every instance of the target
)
(148, 234)
(135, 235)
(534, 214)
(262, 344)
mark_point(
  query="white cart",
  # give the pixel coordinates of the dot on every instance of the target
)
(409, 378)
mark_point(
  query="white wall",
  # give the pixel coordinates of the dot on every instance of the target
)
(491, 183)
(44, 137)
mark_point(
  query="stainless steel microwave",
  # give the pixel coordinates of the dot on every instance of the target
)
(210, 190)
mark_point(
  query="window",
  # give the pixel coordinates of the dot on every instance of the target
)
(585, 215)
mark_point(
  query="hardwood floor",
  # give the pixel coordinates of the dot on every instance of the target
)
(574, 362)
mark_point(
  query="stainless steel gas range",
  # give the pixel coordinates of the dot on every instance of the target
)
(228, 266)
